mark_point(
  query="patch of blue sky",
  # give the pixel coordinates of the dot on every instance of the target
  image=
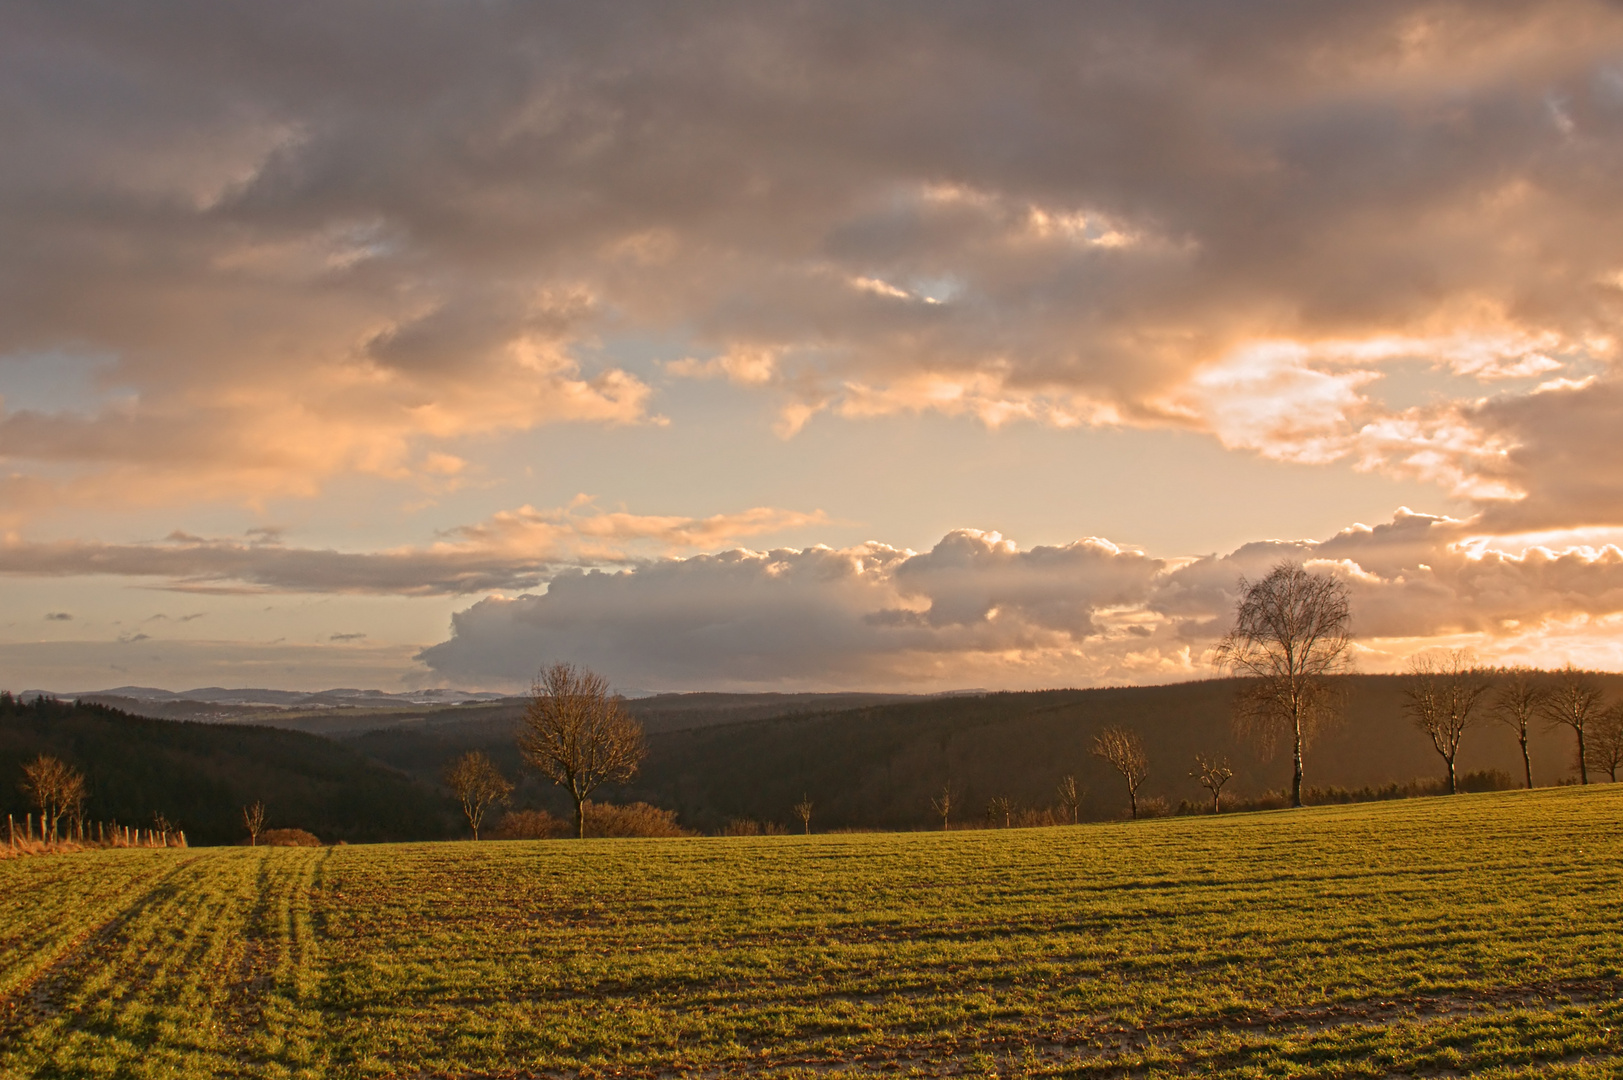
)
(58, 380)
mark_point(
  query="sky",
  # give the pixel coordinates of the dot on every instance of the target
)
(802, 346)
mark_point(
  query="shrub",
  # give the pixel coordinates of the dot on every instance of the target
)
(1488, 780)
(751, 827)
(1041, 817)
(288, 838)
(602, 820)
(635, 819)
(530, 825)
(1153, 807)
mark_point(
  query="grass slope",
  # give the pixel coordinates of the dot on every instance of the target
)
(1477, 935)
(201, 775)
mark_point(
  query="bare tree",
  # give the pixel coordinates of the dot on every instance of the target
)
(73, 794)
(1000, 808)
(1606, 741)
(1213, 773)
(478, 783)
(1573, 702)
(1290, 632)
(1124, 750)
(1443, 692)
(53, 787)
(1520, 697)
(1070, 797)
(254, 818)
(578, 735)
(803, 811)
(942, 804)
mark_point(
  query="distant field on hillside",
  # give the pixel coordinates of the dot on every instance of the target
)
(1477, 935)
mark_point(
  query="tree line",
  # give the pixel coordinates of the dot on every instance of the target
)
(1291, 632)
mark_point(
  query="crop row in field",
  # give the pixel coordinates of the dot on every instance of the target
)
(1478, 934)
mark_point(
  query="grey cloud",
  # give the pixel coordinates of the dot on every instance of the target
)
(1567, 455)
(58, 616)
(226, 566)
(384, 203)
(977, 611)
(511, 550)
(969, 579)
(864, 616)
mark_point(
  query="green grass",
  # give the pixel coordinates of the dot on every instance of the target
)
(1477, 935)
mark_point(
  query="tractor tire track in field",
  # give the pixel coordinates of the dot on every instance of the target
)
(1269, 1039)
(39, 994)
(198, 972)
(1202, 1044)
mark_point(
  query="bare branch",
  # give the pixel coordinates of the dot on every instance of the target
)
(1290, 633)
(1520, 697)
(803, 811)
(1070, 797)
(478, 784)
(1572, 703)
(1443, 691)
(942, 805)
(1213, 773)
(578, 735)
(1124, 750)
(254, 818)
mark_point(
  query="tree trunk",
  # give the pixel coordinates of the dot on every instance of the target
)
(1583, 759)
(1527, 763)
(1453, 783)
(1217, 807)
(1296, 776)
(580, 818)
(1132, 801)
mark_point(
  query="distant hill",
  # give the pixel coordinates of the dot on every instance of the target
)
(342, 697)
(878, 766)
(865, 760)
(201, 775)
(346, 712)
(319, 710)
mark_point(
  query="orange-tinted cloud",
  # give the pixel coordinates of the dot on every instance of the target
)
(306, 248)
(978, 610)
(510, 551)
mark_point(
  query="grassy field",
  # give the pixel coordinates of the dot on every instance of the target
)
(1478, 935)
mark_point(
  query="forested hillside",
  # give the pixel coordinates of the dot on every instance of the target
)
(201, 775)
(879, 766)
(717, 757)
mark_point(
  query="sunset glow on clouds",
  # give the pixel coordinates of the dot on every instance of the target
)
(855, 322)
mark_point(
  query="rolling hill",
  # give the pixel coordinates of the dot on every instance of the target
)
(877, 766)
(201, 775)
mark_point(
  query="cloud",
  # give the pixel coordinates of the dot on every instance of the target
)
(872, 614)
(308, 249)
(58, 616)
(511, 550)
(976, 610)
(1565, 451)
(347, 637)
